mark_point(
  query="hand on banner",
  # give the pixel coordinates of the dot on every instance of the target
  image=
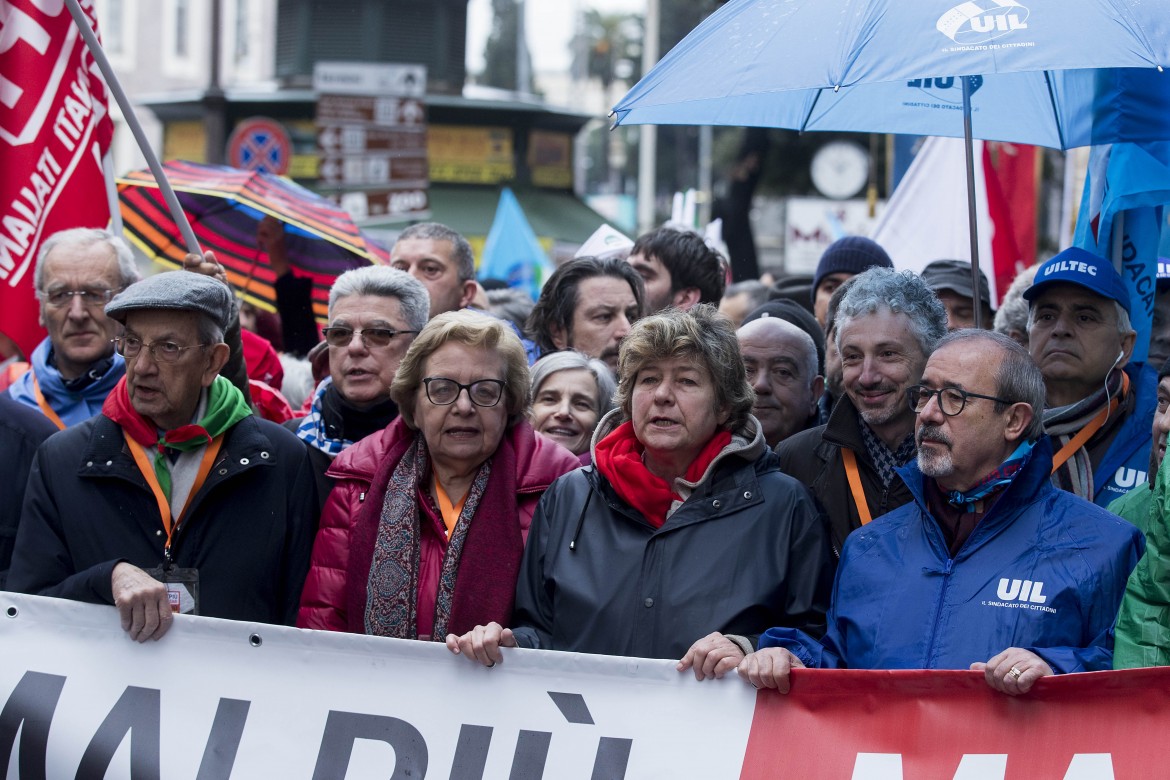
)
(712, 656)
(482, 643)
(1013, 671)
(142, 603)
(205, 264)
(769, 668)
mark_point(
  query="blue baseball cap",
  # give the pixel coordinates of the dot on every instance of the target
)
(1085, 269)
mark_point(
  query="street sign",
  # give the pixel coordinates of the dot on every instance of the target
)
(372, 137)
(260, 144)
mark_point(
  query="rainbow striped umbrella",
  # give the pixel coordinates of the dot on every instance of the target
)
(225, 206)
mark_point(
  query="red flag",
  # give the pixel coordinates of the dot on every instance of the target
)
(54, 130)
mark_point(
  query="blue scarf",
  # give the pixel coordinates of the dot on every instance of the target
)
(312, 428)
(999, 477)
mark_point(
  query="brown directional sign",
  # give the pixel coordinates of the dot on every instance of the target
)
(373, 147)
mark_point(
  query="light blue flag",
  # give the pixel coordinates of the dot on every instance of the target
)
(512, 251)
(1134, 180)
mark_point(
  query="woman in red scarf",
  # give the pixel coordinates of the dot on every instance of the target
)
(683, 540)
(423, 532)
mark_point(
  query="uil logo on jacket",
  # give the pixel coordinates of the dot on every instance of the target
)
(1021, 590)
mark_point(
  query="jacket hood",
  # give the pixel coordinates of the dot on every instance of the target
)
(747, 442)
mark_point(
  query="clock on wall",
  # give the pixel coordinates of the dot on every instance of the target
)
(840, 169)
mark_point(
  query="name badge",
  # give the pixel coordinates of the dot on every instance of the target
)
(182, 588)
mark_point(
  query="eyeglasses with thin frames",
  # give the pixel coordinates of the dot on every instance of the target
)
(371, 337)
(91, 298)
(951, 400)
(442, 391)
(160, 351)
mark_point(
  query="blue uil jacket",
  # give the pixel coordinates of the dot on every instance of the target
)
(1128, 457)
(1044, 570)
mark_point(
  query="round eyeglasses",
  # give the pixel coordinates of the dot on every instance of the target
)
(442, 391)
(951, 400)
(371, 337)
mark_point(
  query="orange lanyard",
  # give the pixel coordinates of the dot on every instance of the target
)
(447, 509)
(1086, 433)
(854, 477)
(48, 410)
(164, 506)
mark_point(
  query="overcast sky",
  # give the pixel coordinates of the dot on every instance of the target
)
(550, 27)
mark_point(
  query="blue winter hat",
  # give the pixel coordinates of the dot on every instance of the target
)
(1085, 269)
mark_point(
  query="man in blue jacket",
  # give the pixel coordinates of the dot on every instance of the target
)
(1098, 405)
(990, 567)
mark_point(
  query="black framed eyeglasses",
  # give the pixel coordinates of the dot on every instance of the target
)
(951, 400)
(160, 351)
(371, 337)
(442, 391)
(91, 298)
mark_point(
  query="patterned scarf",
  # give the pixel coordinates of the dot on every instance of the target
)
(312, 428)
(884, 460)
(392, 586)
(998, 478)
(1063, 423)
(225, 407)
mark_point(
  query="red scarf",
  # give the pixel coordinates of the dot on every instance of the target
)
(619, 459)
(118, 408)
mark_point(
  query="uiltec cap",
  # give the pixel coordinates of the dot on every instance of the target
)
(1085, 269)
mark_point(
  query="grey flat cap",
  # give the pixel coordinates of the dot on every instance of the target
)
(176, 291)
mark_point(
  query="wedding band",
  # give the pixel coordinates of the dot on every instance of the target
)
(1014, 673)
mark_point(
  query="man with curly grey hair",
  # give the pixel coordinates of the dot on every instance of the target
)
(887, 325)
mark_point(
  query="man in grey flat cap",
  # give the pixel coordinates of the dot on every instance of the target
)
(175, 498)
(951, 282)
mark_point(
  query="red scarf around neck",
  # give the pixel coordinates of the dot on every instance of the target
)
(118, 408)
(619, 459)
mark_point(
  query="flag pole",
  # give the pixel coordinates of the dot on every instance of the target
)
(972, 219)
(128, 114)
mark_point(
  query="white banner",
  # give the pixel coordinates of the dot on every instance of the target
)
(217, 698)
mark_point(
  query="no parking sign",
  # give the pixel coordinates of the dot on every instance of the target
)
(260, 144)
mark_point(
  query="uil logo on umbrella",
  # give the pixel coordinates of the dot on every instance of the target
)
(973, 23)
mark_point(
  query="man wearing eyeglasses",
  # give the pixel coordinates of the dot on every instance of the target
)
(989, 567)
(176, 498)
(77, 272)
(374, 314)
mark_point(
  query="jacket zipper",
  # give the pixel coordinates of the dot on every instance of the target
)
(930, 647)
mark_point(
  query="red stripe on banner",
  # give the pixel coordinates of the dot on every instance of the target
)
(864, 725)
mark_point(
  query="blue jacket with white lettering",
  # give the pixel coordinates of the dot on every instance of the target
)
(1128, 457)
(1044, 570)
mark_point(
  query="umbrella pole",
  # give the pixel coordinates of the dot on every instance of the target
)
(115, 88)
(972, 220)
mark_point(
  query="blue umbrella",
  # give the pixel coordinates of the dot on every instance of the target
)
(996, 69)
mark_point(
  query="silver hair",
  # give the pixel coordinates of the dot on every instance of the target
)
(461, 250)
(901, 292)
(1012, 313)
(385, 282)
(209, 332)
(83, 238)
(1018, 380)
(569, 360)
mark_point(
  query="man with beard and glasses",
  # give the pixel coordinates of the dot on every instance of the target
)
(887, 324)
(990, 567)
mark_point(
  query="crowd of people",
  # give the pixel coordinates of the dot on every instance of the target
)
(838, 470)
